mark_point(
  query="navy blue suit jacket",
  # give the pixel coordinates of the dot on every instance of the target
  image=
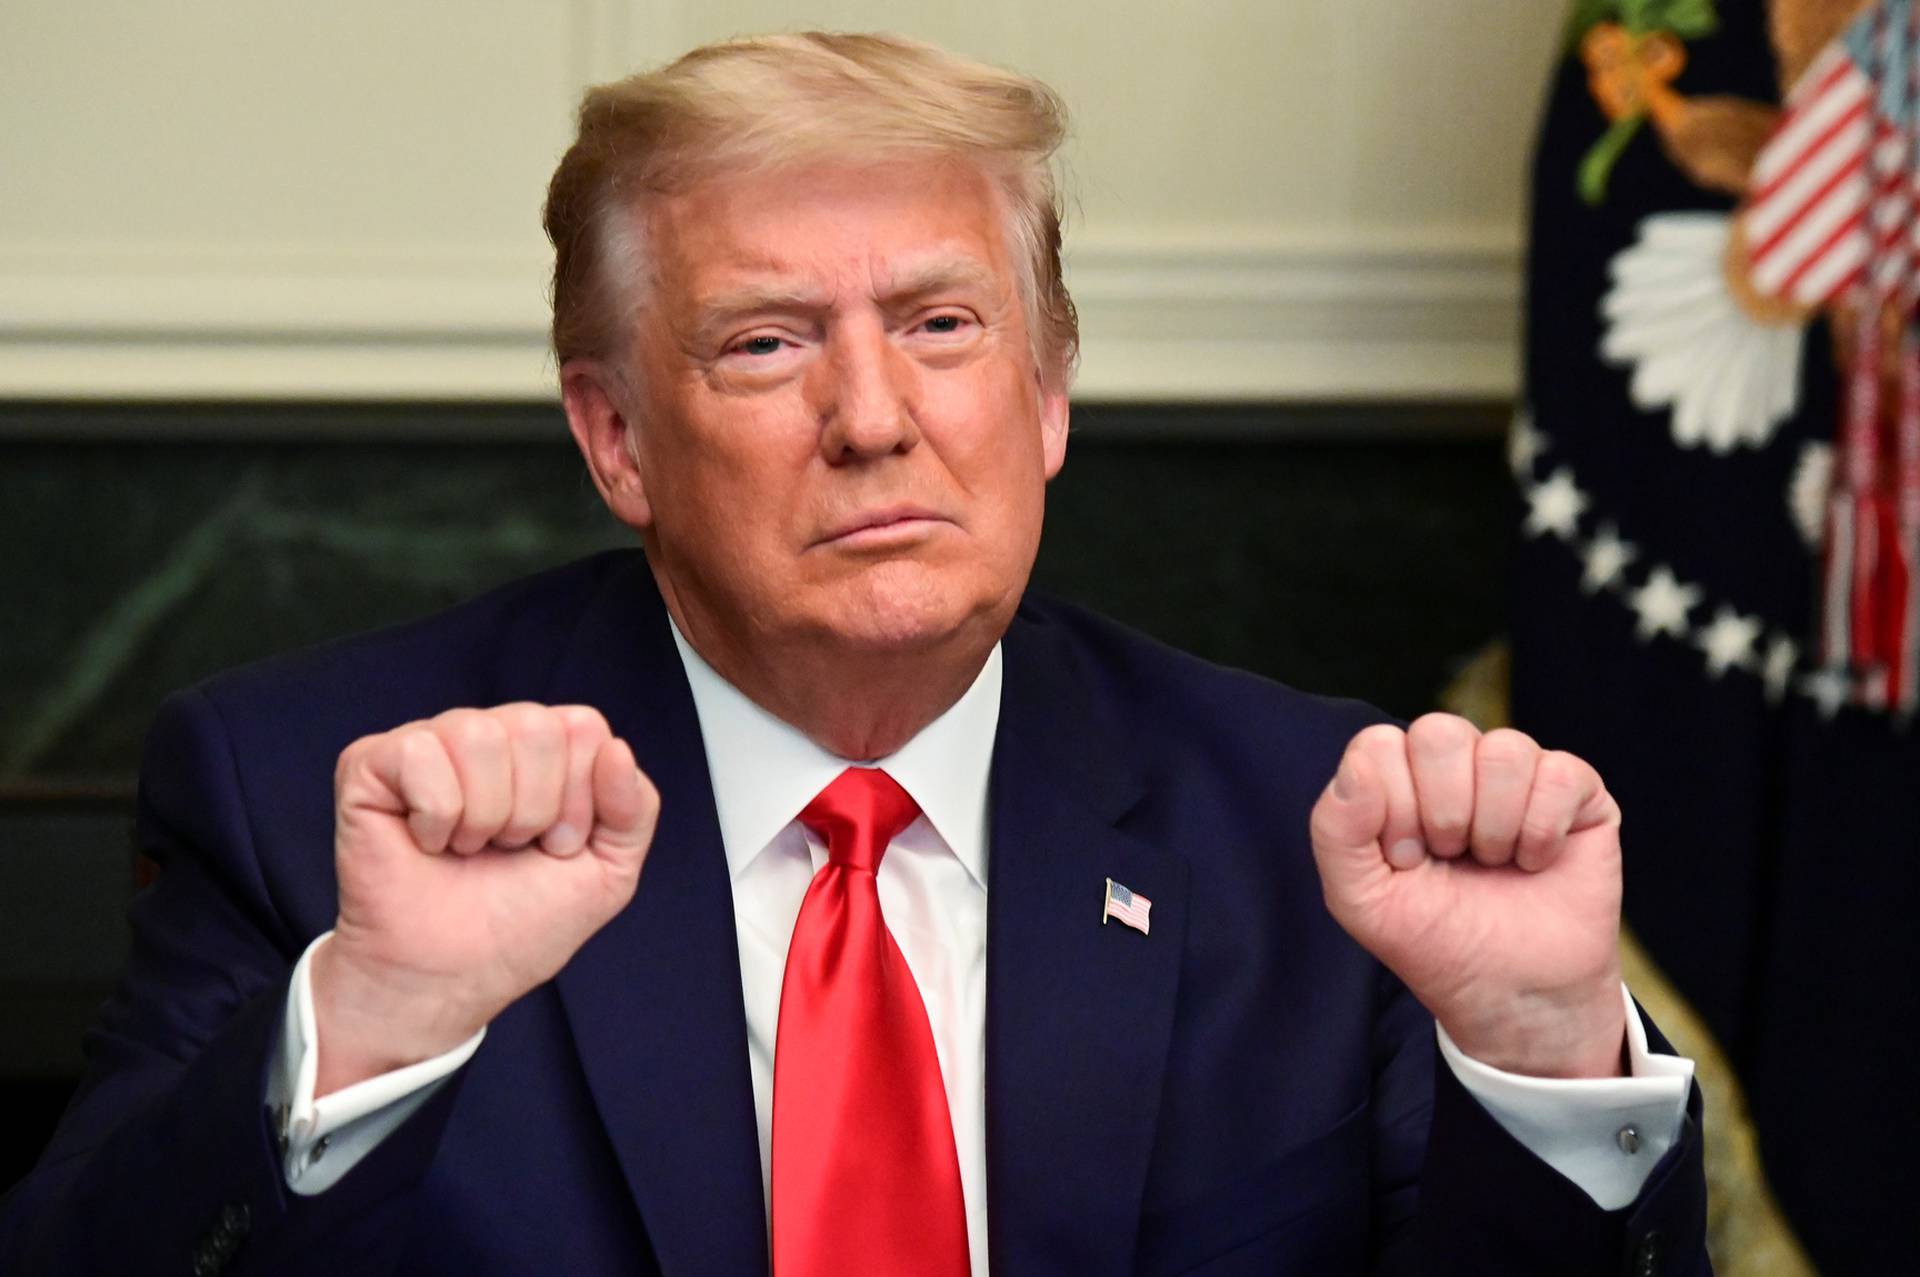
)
(1242, 1091)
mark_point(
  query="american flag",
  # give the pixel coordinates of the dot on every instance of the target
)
(1834, 215)
(1835, 189)
(1129, 907)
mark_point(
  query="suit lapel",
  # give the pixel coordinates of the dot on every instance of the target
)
(654, 998)
(1078, 1011)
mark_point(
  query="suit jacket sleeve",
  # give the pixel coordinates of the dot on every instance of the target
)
(1459, 1195)
(166, 1161)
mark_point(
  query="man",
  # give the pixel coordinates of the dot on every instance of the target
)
(815, 348)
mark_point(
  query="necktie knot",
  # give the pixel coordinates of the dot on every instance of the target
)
(857, 815)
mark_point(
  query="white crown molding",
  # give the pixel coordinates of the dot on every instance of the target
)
(1296, 320)
(1299, 320)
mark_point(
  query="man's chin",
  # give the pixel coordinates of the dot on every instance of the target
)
(906, 632)
(914, 617)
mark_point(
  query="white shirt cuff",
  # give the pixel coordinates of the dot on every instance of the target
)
(1604, 1134)
(321, 1140)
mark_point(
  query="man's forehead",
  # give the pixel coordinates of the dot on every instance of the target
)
(714, 276)
(889, 272)
(899, 223)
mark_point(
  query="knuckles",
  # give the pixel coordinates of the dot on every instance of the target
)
(522, 725)
(466, 735)
(1506, 748)
(416, 745)
(1450, 759)
(1559, 773)
(1439, 733)
(473, 732)
(533, 726)
(1377, 739)
(583, 723)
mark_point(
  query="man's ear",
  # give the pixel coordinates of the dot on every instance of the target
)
(596, 401)
(1054, 413)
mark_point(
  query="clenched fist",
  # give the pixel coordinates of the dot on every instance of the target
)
(1483, 871)
(476, 852)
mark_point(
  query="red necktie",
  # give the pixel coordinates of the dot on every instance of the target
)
(865, 1179)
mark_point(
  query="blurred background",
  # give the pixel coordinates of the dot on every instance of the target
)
(273, 369)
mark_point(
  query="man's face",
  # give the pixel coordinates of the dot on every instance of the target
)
(840, 431)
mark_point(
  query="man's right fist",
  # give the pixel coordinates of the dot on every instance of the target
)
(476, 852)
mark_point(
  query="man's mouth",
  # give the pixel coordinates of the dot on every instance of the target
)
(889, 525)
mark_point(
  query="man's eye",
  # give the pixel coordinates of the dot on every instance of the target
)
(759, 346)
(944, 324)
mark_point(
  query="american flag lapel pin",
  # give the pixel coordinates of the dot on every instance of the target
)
(1130, 907)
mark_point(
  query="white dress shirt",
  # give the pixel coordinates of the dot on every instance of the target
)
(933, 895)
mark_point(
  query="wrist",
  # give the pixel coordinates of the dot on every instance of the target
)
(1548, 1034)
(369, 1021)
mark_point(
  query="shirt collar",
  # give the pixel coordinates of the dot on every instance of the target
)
(764, 770)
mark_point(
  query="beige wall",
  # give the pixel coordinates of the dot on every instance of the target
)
(230, 198)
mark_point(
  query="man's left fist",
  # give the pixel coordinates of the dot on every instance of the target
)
(1483, 871)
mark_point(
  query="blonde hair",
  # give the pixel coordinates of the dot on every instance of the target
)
(774, 100)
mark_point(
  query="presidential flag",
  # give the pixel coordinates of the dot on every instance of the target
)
(1830, 222)
(1675, 458)
(1834, 190)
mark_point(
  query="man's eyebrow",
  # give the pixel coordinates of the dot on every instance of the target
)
(938, 274)
(753, 299)
(903, 287)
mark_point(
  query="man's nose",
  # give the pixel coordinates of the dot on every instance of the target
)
(865, 396)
